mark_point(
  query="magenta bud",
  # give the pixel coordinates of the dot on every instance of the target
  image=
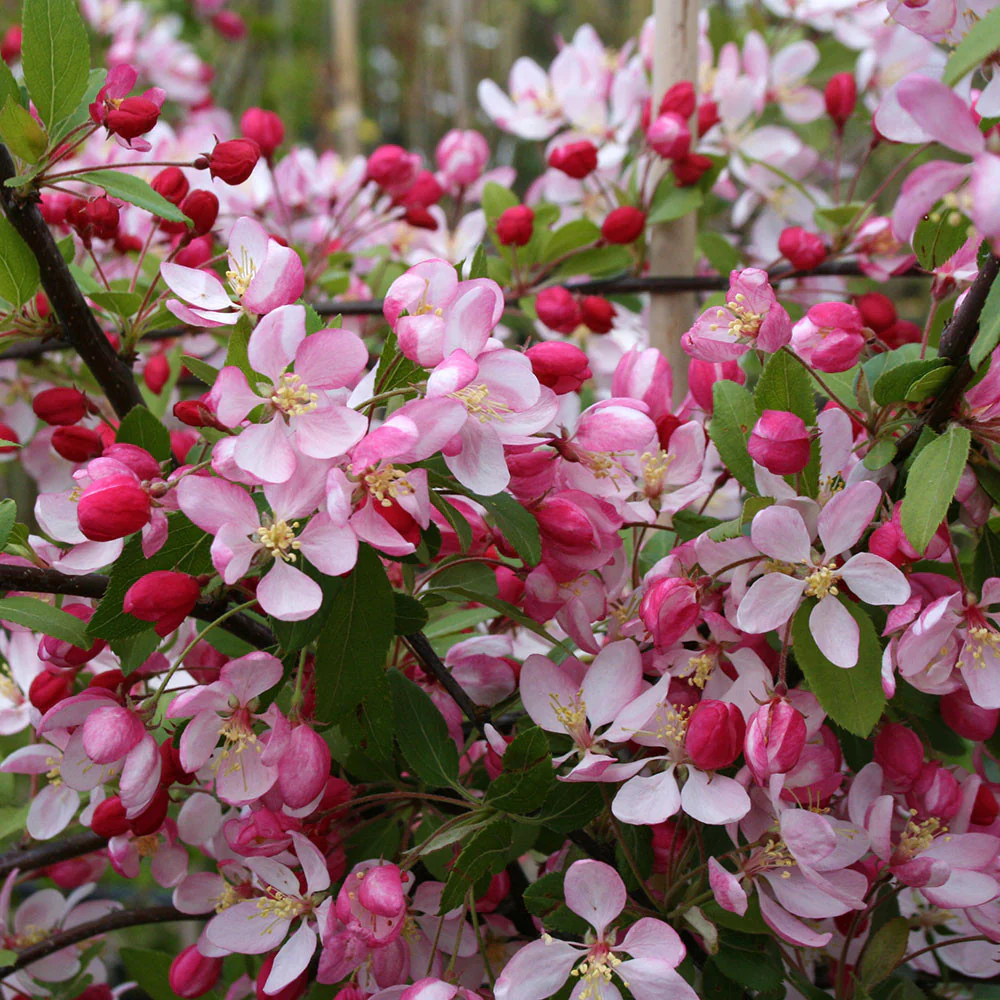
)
(714, 735)
(802, 249)
(970, 721)
(702, 376)
(624, 224)
(774, 740)
(192, 974)
(669, 136)
(575, 159)
(62, 654)
(515, 226)
(780, 442)
(900, 754)
(936, 792)
(113, 507)
(265, 128)
(557, 309)
(164, 597)
(561, 366)
(304, 767)
(669, 608)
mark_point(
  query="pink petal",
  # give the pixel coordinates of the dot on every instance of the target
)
(251, 675)
(651, 938)
(780, 532)
(111, 732)
(274, 342)
(52, 810)
(643, 801)
(140, 776)
(231, 397)
(212, 502)
(788, 927)
(288, 594)
(331, 548)
(198, 892)
(292, 960)
(596, 892)
(835, 631)
(713, 799)
(729, 894)
(612, 681)
(201, 289)
(264, 451)
(875, 580)
(653, 979)
(313, 864)
(331, 359)
(941, 113)
(243, 930)
(542, 684)
(279, 280)
(329, 431)
(198, 740)
(537, 970)
(769, 603)
(846, 516)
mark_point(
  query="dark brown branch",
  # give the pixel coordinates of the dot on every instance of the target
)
(115, 921)
(478, 715)
(80, 328)
(956, 342)
(662, 285)
(29, 859)
(49, 581)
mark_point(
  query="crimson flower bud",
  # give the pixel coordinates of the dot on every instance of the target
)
(196, 254)
(292, 991)
(670, 607)
(575, 159)
(202, 208)
(688, 170)
(156, 373)
(510, 587)
(804, 250)
(48, 689)
(561, 366)
(774, 740)
(133, 117)
(841, 95)
(265, 128)
(110, 680)
(702, 375)
(557, 309)
(420, 218)
(986, 808)
(10, 45)
(780, 442)
(708, 116)
(900, 754)
(903, 331)
(679, 100)
(232, 161)
(53, 206)
(77, 444)
(229, 24)
(109, 818)
(192, 974)
(498, 891)
(195, 413)
(7, 433)
(623, 225)
(669, 136)
(665, 428)
(392, 167)
(304, 767)
(515, 226)
(424, 191)
(351, 993)
(668, 846)
(597, 313)
(151, 818)
(113, 507)
(936, 792)
(714, 736)
(164, 597)
(61, 406)
(62, 654)
(877, 310)
(963, 715)
(96, 991)
(171, 184)
(102, 218)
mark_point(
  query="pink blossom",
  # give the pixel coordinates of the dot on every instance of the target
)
(830, 337)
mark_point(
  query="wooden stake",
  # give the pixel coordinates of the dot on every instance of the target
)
(347, 76)
(672, 249)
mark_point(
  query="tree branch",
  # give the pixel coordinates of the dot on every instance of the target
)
(114, 921)
(956, 342)
(49, 581)
(27, 859)
(478, 715)
(80, 328)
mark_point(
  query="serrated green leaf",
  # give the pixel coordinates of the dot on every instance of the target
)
(140, 427)
(411, 616)
(881, 454)
(21, 133)
(853, 696)
(884, 951)
(839, 217)
(496, 200)
(41, 617)
(893, 385)
(733, 417)
(133, 651)
(123, 304)
(569, 806)
(931, 484)
(485, 854)
(199, 369)
(671, 202)
(979, 43)
(8, 515)
(355, 638)
(150, 970)
(134, 190)
(719, 252)
(19, 274)
(749, 961)
(596, 262)
(574, 235)
(989, 328)
(518, 525)
(939, 236)
(527, 774)
(478, 267)
(55, 55)
(96, 79)
(422, 734)
(784, 385)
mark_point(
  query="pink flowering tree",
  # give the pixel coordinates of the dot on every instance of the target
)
(383, 617)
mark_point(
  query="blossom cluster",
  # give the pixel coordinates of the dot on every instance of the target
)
(458, 645)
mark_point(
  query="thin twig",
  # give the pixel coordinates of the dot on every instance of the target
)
(28, 859)
(478, 715)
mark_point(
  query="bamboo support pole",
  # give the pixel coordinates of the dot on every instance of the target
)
(347, 76)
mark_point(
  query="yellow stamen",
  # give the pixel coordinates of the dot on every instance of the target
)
(292, 396)
(279, 539)
(388, 484)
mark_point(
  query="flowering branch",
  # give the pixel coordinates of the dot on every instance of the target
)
(26, 859)
(80, 328)
(110, 922)
(432, 663)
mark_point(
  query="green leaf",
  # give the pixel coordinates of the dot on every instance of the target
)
(141, 428)
(719, 252)
(928, 385)
(939, 236)
(422, 734)
(355, 638)
(473, 578)
(881, 454)
(55, 53)
(852, 697)
(8, 515)
(134, 650)
(411, 615)
(96, 79)
(733, 417)
(186, 550)
(527, 774)
(22, 134)
(18, 268)
(839, 217)
(455, 518)
(150, 970)
(124, 304)
(884, 951)
(931, 484)
(201, 370)
(478, 267)
(671, 202)
(573, 236)
(496, 200)
(987, 562)
(486, 853)
(989, 328)
(134, 190)
(596, 262)
(979, 43)
(545, 899)
(895, 383)
(749, 961)
(518, 525)
(8, 85)
(785, 385)
(41, 617)
(569, 806)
